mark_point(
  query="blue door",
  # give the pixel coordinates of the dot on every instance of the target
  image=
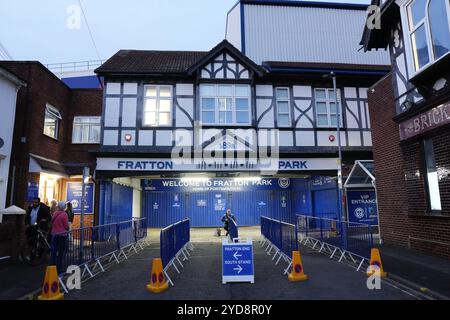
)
(121, 204)
(325, 203)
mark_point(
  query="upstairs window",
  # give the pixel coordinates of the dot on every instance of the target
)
(225, 104)
(86, 130)
(51, 121)
(283, 107)
(326, 110)
(157, 106)
(428, 23)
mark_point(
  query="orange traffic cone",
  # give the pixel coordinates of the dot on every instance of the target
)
(375, 264)
(297, 273)
(158, 282)
(51, 290)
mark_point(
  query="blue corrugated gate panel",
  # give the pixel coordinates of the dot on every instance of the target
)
(247, 206)
(325, 203)
(207, 208)
(164, 208)
(121, 202)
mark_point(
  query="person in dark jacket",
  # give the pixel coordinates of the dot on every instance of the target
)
(37, 216)
(226, 220)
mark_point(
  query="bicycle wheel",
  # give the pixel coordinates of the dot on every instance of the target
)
(34, 255)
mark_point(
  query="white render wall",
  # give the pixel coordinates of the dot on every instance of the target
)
(8, 96)
(305, 34)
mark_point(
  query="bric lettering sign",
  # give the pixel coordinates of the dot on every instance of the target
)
(425, 122)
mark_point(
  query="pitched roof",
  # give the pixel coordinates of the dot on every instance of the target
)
(273, 65)
(150, 62)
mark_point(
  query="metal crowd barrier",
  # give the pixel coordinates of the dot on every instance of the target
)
(174, 243)
(341, 239)
(92, 248)
(281, 237)
(233, 230)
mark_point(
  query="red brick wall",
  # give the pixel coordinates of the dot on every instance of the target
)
(399, 172)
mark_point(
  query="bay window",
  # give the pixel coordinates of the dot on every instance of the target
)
(428, 30)
(225, 104)
(157, 106)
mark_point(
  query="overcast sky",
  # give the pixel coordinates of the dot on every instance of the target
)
(38, 29)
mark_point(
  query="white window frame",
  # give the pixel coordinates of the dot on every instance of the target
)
(233, 110)
(158, 100)
(407, 33)
(74, 125)
(53, 113)
(431, 177)
(328, 102)
(288, 100)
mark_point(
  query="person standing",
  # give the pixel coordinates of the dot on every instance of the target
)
(226, 220)
(37, 216)
(70, 214)
(53, 205)
(59, 231)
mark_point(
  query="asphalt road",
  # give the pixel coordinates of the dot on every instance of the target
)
(201, 280)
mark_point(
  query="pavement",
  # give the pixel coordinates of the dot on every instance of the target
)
(201, 280)
(201, 277)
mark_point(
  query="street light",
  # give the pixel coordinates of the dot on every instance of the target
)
(338, 121)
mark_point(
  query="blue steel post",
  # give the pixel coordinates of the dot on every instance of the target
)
(118, 235)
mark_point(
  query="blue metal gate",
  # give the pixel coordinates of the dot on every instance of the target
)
(164, 208)
(249, 206)
(207, 208)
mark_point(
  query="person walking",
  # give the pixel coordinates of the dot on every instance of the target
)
(226, 220)
(59, 231)
(37, 216)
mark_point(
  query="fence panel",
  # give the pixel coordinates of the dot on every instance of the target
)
(172, 239)
(289, 241)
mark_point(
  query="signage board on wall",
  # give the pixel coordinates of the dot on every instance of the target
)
(32, 191)
(214, 184)
(362, 206)
(74, 192)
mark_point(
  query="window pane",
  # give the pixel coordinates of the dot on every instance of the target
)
(322, 120)
(208, 117)
(420, 48)
(207, 90)
(321, 107)
(225, 117)
(242, 104)
(208, 103)
(440, 29)
(416, 12)
(320, 94)
(242, 117)
(282, 93)
(150, 92)
(283, 120)
(76, 138)
(333, 120)
(164, 119)
(242, 91)
(149, 118)
(333, 108)
(225, 91)
(94, 134)
(150, 105)
(165, 92)
(432, 176)
(164, 106)
(283, 106)
(225, 104)
(331, 95)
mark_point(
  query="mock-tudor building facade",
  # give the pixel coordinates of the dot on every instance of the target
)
(410, 115)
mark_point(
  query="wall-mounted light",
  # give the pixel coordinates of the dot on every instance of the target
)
(128, 137)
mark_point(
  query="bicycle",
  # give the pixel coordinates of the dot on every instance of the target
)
(34, 251)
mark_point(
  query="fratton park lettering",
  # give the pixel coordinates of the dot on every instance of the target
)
(145, 165)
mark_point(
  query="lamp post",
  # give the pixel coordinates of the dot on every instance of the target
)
(338, 121)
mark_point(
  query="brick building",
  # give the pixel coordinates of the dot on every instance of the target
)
(410, 117)
(55, 129)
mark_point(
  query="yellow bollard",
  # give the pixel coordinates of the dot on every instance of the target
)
(51, 290)
(375, 263)
(297, 273)
(158, 282)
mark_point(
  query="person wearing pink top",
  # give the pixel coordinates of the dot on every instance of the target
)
(59, 232)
